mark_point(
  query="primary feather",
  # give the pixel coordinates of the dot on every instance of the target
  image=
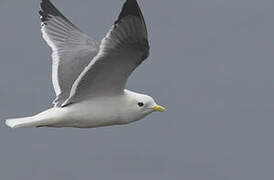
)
(72, 50)
(121, 51)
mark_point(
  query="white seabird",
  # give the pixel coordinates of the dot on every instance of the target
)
(89, 79)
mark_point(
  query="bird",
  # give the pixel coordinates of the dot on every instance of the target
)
(88, 77)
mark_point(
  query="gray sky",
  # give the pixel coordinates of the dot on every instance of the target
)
(211, 65)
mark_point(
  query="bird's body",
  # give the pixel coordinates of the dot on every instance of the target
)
(91, 113)
(89, 80)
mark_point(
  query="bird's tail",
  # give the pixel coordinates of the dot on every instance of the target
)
(23, 122)
(43, 119)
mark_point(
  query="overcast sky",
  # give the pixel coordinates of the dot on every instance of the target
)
(211, 65)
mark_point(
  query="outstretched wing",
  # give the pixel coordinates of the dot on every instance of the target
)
(72, 50)
(121, 51)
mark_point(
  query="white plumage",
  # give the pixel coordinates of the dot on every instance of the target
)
(89, 79)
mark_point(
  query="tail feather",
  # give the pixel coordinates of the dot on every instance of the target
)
(46, 118)
(22, 122)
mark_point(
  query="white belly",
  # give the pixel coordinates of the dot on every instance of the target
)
(95, 112)
(87, 115)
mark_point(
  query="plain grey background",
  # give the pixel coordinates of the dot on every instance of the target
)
(211, 65)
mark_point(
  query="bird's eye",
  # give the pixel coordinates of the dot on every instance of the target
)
(140, 104)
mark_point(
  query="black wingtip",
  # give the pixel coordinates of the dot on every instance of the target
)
(130, 8)
(48, 10)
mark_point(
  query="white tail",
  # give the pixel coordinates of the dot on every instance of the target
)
(45, 118)
(23, 122)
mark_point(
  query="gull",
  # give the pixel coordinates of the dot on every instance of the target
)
(89, 78)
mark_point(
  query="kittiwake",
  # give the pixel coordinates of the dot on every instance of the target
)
(89, 78)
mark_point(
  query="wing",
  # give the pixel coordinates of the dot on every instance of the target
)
(72, 50)
(121, 51)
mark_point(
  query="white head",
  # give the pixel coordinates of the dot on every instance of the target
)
(140, 105)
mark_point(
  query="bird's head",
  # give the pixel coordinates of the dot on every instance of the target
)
(145, 103)
(141, 105)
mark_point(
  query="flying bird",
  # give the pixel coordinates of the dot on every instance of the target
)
(89, 78)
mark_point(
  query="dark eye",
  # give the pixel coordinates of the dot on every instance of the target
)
(140, 104)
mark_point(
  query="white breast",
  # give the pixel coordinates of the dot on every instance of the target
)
(97, 112)
(102, 111)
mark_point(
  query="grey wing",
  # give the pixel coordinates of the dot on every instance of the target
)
(121, 51)
(72, 50)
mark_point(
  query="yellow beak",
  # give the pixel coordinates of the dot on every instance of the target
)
(159, 108)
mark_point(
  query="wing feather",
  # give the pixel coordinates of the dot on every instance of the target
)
(124, 48)
(72, 50)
